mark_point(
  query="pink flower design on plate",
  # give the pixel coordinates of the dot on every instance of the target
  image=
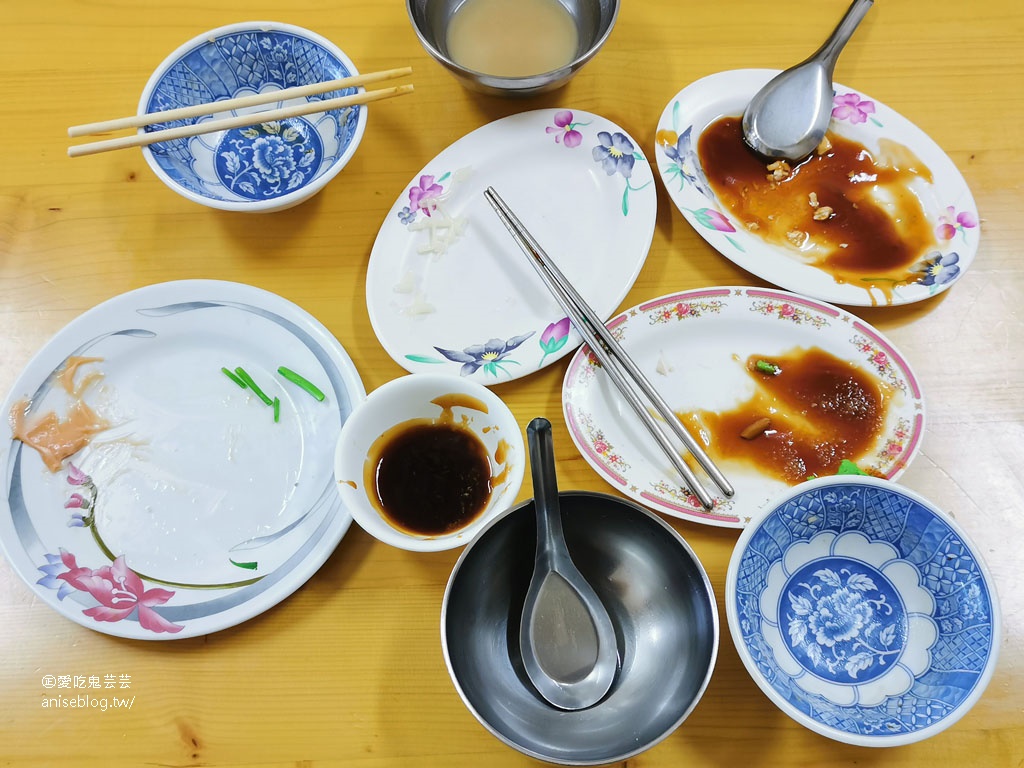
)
(850, 106)
(119, 591)
(787, 310)
(76, 476)
(951, 222)
(420, 196)
(712, 219)
(565, 130)
(77, 501)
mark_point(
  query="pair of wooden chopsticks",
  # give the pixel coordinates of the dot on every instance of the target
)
(614, 360)
(240, 121)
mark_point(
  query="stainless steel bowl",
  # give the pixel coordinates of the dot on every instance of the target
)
(660, 601)
(594, 21)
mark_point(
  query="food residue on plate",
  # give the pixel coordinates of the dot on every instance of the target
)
(443, 230)
(54, 436)
(848, 210)
(810, 410)
(664, 367)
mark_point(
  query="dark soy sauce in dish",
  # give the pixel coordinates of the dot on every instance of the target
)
(430, 478)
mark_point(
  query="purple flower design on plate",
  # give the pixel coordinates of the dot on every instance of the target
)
(685, 165)
(565, 129)
(850, 106)
(421, 195)
(554, 338)
(614, 154)
(492, 356)
(951, 222)
(937, 269)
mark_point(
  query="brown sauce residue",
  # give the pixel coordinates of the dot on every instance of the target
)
(870, 228)
(57, 437)
(820, 410)
(432, 477)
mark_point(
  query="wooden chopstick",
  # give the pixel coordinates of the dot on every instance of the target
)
(614, 360)
(198, 110)
(240, 121)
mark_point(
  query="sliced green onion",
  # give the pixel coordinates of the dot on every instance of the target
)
(252, 385)
(847, 467)
(277, 409)
(763, 366)
(248, 566)
(298, 380)
(234, 378)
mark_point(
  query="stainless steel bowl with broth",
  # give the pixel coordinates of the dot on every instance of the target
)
(519, 48)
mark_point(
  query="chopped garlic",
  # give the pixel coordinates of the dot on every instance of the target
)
(419, 305)
(407, 284)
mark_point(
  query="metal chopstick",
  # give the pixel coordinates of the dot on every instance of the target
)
(611, 356)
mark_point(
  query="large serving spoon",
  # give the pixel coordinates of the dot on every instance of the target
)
(566, 637)
(788, 117)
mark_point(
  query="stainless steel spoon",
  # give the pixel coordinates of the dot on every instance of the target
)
(566, 637)
(788, 117)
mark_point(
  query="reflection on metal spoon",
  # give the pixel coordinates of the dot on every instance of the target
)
(567, 639)
(788, 117)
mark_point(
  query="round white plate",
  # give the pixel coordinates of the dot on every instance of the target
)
(196, 510)
(687, 345)
(447, 288)
(947, 201)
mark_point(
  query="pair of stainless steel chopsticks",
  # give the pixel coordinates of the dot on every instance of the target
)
(614, 360)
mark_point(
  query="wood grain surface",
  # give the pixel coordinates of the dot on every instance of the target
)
(349, 670)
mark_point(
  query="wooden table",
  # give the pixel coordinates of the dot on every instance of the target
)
(349, 671)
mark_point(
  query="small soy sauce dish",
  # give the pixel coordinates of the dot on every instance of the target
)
(428, 460)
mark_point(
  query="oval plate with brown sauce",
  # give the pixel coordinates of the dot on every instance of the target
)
(879, 215)
(836, 394)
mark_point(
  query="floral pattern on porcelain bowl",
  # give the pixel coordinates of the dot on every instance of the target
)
(267, 166)
(863, 612)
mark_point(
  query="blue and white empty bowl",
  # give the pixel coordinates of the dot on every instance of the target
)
(271, 165)
(863, 611)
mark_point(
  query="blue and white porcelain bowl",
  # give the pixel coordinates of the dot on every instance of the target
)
(863, 611)
(269, 166)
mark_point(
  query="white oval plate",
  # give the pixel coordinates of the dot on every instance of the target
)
(473, 305)
(687, 344)
(196, 510)
(947, 201)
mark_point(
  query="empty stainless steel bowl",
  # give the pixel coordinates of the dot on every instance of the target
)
(594, 20)
(660, 601)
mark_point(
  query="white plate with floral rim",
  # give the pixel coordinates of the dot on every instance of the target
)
(692, 347)
(448, 289)
(950, 224)
(199, 506)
